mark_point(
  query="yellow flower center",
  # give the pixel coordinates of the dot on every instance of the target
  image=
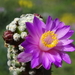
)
(49, 39)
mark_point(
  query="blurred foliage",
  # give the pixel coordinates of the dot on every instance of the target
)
(63, 9)
(68, 18)
(26, 3)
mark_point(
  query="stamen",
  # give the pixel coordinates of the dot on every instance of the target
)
(49, 39)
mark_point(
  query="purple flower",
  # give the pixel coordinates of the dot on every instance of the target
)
(47, 44)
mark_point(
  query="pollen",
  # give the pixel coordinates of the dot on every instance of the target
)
(49, 39)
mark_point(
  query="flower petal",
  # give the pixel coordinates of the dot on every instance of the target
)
(24, 44)
(54, 24)
(65, 42)
(58, 64)
(36, 53)
(45, 61)
(69, 48)
(49, 66)
(66, 58)
(61, 24)
(35, 62)
(56, 55)
(31, 40)
(38, 25)
(50, 57)
(68, 35)
(24, 57)
(49, 23)
(59, 48)
(56, 21)
(62, 31)
(31, 30)
(29, 48)
(28, 41)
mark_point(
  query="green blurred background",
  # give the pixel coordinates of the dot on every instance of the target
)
(62, 9)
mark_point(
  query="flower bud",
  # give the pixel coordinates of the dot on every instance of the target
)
(8, 36)
(38, 15)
